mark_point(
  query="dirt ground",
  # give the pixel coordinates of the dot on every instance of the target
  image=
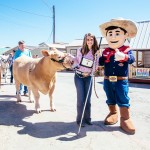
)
(22, 129)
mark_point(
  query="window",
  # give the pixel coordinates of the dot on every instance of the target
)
(73, 52)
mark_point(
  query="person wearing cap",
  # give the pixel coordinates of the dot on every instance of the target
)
(116, 59)
(19, 52)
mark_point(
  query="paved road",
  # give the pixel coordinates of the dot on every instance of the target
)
(22, 129)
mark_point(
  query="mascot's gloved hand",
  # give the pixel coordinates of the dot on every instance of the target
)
(119, 55)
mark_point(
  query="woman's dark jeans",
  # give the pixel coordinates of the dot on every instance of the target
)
(82, 87)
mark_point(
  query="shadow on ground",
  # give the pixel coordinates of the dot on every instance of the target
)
(67, 130)
(13, 114)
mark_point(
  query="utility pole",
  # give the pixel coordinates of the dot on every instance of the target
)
(53, 24)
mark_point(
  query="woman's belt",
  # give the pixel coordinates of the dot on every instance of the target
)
(84, 74)
(115, 78)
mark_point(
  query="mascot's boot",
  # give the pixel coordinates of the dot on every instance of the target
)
(125, 121)
(112, 117)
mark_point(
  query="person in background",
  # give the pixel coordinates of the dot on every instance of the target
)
(85, 60)
(11, 60)
(19, 52)
(116, 59)
(35, 56)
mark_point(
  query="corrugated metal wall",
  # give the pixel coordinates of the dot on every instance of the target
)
(142, 39)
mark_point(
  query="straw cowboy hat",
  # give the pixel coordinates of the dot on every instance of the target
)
(128, 25)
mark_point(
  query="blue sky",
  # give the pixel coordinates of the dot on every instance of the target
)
(31, 20)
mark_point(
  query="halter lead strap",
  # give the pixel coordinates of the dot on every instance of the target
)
(60, 61)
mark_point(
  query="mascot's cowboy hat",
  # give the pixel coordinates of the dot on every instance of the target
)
(128, 25)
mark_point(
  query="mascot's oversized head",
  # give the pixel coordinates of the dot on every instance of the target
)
(116, 31)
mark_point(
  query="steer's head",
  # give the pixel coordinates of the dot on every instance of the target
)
(62, 60)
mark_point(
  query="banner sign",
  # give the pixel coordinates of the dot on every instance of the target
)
(142, 72)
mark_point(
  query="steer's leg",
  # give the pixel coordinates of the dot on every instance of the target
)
(30, 98)
(0, 75)
(52, 106)
(36, 98)
(18, 94)
(5, 74)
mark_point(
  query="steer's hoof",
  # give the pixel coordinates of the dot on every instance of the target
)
(31, 101)
(18, 101)
(38, 111)
(53, 110)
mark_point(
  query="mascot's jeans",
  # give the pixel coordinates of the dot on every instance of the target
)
(25, 89)
(82, 87)
(117, 92)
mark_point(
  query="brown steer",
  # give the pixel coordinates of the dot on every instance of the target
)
(40, 74)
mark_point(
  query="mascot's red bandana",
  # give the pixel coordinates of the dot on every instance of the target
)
(108, 52)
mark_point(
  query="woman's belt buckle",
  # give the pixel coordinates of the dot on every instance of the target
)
(78, 72)
(84, 74)
(113, 78)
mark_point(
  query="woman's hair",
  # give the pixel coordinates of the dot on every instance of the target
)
(85, 48)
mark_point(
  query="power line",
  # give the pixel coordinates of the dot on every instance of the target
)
(53, 28)
(50, 35)
(25, 11)
(47, 5)
(50, 9)
(20, 24)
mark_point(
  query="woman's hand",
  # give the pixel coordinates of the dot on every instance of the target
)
(98, 53)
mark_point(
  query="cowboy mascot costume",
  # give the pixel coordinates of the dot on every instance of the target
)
(116, 59)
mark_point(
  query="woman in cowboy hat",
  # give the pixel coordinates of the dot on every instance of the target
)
(116, 59)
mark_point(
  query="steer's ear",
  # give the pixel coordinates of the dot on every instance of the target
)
(45, 53)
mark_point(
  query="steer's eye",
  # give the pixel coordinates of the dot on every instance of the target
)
(59, 57)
